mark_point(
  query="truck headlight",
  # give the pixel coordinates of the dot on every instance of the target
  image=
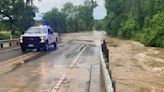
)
(21, 39)
(42, 39)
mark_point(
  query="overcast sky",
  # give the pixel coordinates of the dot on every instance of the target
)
(47, 5)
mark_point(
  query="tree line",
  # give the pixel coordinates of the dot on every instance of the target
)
(16, 16)
(141, 20)
(72, 18)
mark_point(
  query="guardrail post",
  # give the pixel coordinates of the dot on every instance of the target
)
(107, 55)
(114, 85)
(17, 43)
(1, 45)
(9, 43)
(110, 73)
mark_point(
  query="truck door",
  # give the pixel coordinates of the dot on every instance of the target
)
(50, 36)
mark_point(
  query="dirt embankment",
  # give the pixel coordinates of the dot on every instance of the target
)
(136, 68)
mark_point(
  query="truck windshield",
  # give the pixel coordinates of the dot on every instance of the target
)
(36, 31)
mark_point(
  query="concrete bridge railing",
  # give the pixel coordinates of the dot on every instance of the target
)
(9, 43)
(105, 69)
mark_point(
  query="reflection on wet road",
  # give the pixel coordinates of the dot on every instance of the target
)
(10, 53)
(43, 73)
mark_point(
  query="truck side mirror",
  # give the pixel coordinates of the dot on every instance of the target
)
(22, 32)
(50, 32)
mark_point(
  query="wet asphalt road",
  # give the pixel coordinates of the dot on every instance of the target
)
(43, 73)
(7, 54)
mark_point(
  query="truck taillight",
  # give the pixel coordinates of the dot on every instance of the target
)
(42, 39)
(21, 39)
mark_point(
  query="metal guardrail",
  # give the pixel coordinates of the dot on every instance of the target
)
(9, 43)
(106, 72)
(13, 43)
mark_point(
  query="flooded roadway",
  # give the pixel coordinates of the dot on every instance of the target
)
(136, 68)
(43, 73)
(7, 54)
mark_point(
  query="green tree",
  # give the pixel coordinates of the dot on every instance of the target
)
(57, 20)
(17, 15)
(154, 33)
(86, 14)
(79, 17)
(70, 11)
(99, 25)
(116, 15)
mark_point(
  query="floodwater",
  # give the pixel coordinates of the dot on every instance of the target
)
(136, 68)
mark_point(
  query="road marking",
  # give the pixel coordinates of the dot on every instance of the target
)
(8, 65)
(57, 86)
(74, 62)
(59, 83)
(15, 59)
(5, 50)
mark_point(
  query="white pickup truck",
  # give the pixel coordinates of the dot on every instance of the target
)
(38, 37)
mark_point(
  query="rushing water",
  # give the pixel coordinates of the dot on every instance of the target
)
(136, 68)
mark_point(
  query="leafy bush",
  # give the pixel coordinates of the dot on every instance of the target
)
(154, 33)
(99, 25)
(4, 36)
(17, 34)
(128, 28)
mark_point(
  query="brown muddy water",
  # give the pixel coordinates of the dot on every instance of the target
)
(136, 68)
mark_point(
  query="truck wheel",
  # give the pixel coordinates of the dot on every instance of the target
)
(38, 49)
(55, 45)
(46, 46)
(23, 50)
(56, 39)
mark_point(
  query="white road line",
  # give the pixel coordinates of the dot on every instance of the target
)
(57, 86)
(74, 62)
(14, 59)
(12, 63)
(5, 50)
